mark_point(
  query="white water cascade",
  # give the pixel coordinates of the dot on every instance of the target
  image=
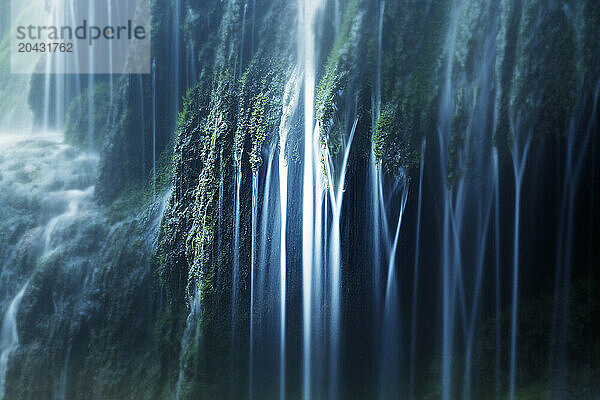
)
(312, 182)
(519, 162)
(336, 196)
(62, 386)
(47, 172)
(290, 100)
(253, 251)
(415, 285)
(9, 337)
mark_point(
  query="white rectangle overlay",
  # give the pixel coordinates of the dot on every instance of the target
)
(80, 37)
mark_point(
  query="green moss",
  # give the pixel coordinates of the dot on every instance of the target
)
(339, 66)
(79, 122)
(258, 129)
(411, 69)
(390, 140)
(260, 107)
(539, 81)
(217, 128)
(545, 88)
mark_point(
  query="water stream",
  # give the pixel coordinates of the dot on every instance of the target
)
(9, 337)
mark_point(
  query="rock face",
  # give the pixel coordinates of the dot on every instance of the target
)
(454, 203)
(476, 80)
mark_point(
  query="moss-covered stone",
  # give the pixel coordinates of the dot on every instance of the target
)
(82, 128)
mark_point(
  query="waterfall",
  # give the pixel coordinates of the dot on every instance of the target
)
(111, 64)
(140, 84)
(379, 55)
(252, 278)
(90, 90)
(58, 180)
(519, 162)
(484, 218)
(50, 186)
(448, 275)
(336, 196)
(175, 58)
(153, 128)
(308, 10)
(391, 352)
(283, 178)
(75, 200)
(242, 39)
(445, 248)
(291, 99)
(221, 200)
(264, 298)
(374, 181)
(415, 293)
(188, 338)
(497, 328)
(61, 393)
(9, 337)
(253, 24)
(469, 182)
(577, 150)
(235, 273)
(376, 190)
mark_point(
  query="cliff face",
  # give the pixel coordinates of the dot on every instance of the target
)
(441, 124)
(477, 81)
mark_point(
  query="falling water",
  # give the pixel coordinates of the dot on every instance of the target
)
(46, 111)
(176, 27)
(460, 206)
(290, 101)
(415, 293)
(90, 88)
(142, 131)
(375, 187)
(519, 159)
(76, 200)
(448, 277)
(235, 278)
(61, 393)
(390, 287)
(54, 83)
(187, 339)
(242, 39)
(263, 257)
(283, 177)
(263, 298)
(220, 211)
(59, 180)
(374, 175)
(379, 55)
(497, 269)
(336, 196)
(253, 25)
(481, 213)
(389, 372)
(577, 149)
(337, 17)
(307, 14)
(154, 128)
(252, 277)
(111, 64)
(484, 218)
(9, 337)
